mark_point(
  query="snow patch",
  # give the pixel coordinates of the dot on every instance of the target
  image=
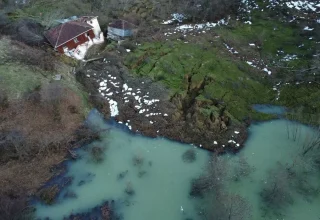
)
(308, 28)
(113, 108)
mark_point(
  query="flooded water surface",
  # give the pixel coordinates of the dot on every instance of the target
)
(151, 178)
(147, 178)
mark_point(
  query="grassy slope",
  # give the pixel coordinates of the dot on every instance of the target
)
(171, 62)
(275, 35)
(18, 79)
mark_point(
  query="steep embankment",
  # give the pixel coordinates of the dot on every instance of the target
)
(39, 117)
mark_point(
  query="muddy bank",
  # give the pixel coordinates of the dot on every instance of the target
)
(151, 109)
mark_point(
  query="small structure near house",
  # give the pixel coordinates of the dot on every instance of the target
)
(75, 37)
(120, 29)
(57, 77)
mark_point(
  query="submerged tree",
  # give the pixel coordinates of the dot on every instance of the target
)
(275, 193)
(227, 206)
(189, 156)
(241, 168)
(219, 204)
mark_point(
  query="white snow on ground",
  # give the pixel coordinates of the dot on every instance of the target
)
(145, 105)
(318, 21)
(175, 17)
(233, 142)
(267, 71)
(236, 132)
(206, 26)
(253, 64)
(277, 88)
(231, 49)
(306, 5)
(113, 108)
(308, 29)
(289, 57)
(303, 5)
(215, 142)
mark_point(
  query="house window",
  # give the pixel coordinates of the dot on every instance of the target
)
(65, 48)
(75, 40)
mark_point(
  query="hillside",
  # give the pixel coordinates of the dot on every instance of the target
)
(190, 74)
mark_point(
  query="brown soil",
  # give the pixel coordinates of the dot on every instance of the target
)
(184, 121)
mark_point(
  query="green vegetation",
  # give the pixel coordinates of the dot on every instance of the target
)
(18, 79)
(304, 99)
(184, 67)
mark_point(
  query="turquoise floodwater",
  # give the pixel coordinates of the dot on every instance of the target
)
(161, 191)
(161, 179)
(267, 146)
(269, 109)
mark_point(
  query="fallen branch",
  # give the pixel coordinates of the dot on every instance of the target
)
(93, 59)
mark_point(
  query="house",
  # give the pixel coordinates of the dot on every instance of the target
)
(120, 29)
(75, 37)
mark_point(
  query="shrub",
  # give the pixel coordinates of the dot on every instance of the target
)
(15, 207)
(129, 189)
(137, 160)
(49, 194)
(97, 153)
(199, 186)
(32, 56)
(189, 156)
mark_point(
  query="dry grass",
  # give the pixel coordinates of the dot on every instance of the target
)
(35, 119)
(45, 139)
(27, 175)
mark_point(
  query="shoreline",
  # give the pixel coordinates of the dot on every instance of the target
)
(146, 107)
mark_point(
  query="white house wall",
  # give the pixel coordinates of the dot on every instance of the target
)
(96, 27)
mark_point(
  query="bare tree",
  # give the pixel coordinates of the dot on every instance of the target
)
(29, 32)
(215, 177)
(275, 193)
(227, 206)
(218, 203)
(51, 96)
(241, 168)
(14, 208)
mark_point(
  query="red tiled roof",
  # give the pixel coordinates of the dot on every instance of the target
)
(66, 32)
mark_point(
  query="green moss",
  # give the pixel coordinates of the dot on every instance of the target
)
(173, 63)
